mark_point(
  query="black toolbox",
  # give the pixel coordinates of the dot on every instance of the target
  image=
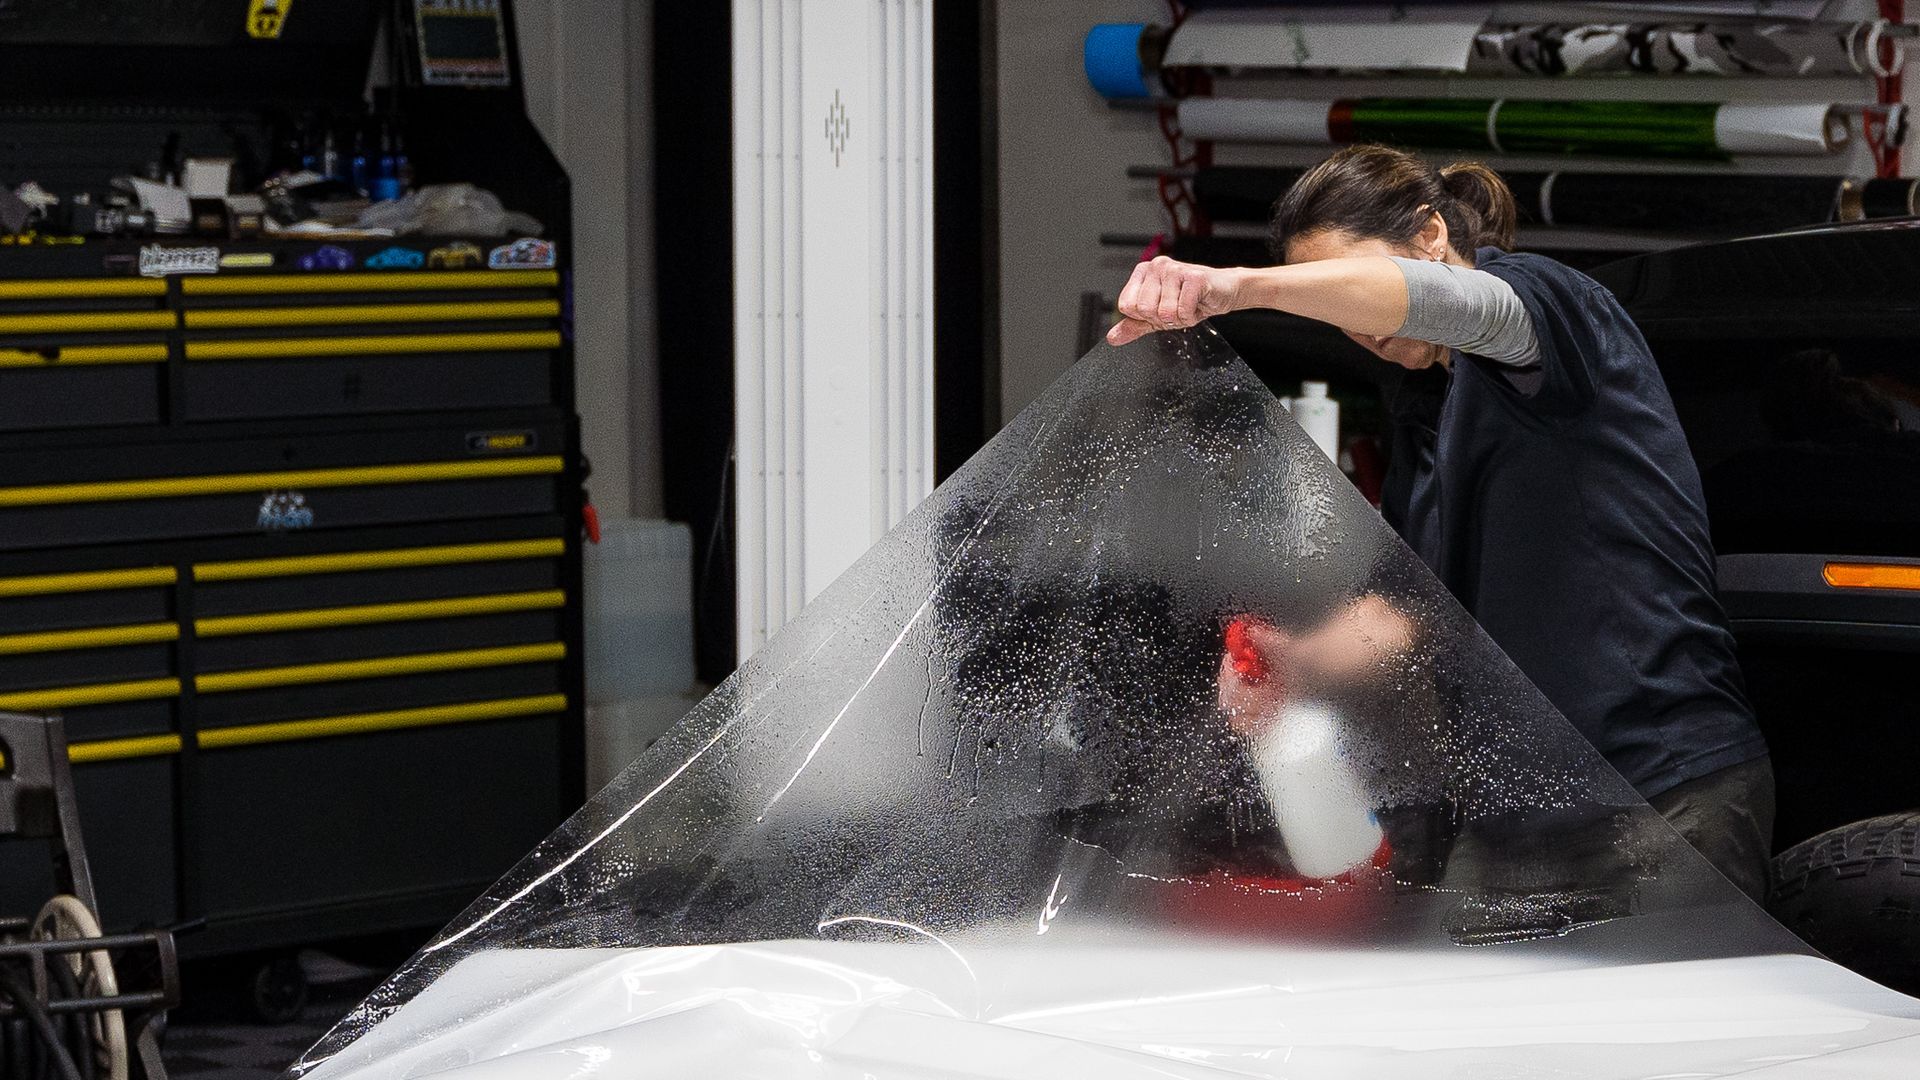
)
(292, 541)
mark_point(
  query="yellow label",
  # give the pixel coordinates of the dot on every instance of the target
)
(266, 18)
(246, 259)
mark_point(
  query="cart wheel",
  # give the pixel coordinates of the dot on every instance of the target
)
(276, 988)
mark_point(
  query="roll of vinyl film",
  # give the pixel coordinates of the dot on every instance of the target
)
(1278, 120)
(1113, 62)
(1629, 129)
(1715, 204)
(1890, 198)
(1624, 129)
(1781, 129)
(1241, 192)
(1429, 123)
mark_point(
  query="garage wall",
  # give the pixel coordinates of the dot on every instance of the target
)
(1063, 160)
(1064, 154)
(587, 65)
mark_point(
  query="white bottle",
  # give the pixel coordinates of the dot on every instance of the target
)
(1325, 817)
(1319, 416)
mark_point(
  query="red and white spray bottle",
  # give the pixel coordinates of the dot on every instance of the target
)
(1325, 817)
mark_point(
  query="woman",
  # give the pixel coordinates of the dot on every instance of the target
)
(1554, 493)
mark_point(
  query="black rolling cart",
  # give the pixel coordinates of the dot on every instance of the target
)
(289, 527)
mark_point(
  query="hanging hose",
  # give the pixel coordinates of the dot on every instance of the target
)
(74, 1025)
(30, 1006)
(65, 918)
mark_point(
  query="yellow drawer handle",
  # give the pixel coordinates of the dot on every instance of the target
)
(98, 638)
(237, 285)
(81, 753)
(363, 614)
(276, 348)
(85, 321)
(74, 355)
(373, 313)
(446, 555)
(116, 749)
(394, 720)
(69, 697)
(378, 668)
(57, 290)
(87, 581)
(235, 483)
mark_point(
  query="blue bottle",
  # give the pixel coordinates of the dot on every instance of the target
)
(385, 183)
(357, 173)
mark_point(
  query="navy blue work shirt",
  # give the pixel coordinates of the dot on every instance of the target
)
(1564, 511)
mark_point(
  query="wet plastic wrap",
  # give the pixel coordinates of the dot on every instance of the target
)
(1142, 748)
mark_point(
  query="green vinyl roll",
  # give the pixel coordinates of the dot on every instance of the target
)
(1612, 128)
(1430, 123)
(1609, 128)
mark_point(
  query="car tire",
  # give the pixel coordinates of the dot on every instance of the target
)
(1854, 894)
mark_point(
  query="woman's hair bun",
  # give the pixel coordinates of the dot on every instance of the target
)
(1480, 190)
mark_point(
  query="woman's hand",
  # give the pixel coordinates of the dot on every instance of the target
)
(1250, 703)
(1354, 644)
(1166, 295)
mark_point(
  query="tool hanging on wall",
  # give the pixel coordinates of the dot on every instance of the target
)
(1185, 218)
(1885, 128)
(1671, 130)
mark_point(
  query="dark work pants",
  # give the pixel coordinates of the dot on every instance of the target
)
(1728, 817)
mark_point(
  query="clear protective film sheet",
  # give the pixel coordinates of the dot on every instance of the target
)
(1141, 748)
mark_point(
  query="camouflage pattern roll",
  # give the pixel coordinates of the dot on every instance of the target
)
(1770, 49)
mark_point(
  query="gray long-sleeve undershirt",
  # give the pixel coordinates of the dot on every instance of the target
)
(1466, 309)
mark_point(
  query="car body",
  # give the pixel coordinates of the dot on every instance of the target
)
(525, 253)
(458, 255)
(1791, 362)
(327, 257)
(396, 258)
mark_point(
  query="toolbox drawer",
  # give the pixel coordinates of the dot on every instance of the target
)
(278, 389)
(279, 346)
(376, 629)
(246, 486)
(289, 824)
(46, 396)
(78, 353)
(126, 808)
(96, 645)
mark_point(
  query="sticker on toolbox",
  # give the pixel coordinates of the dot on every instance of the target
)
(246, 260)
(266, 18)
(458, 255)
(327, 257)
(396, 258)
(282, 511)
(499, 442)
(157, 261)
(522, 253)
(31, 239)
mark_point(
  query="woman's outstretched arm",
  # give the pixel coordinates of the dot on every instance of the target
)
(1364, 295)
(1374, 296)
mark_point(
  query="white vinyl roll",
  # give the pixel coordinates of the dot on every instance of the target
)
(1330, 39)
(1812, 129)
(1278, 120)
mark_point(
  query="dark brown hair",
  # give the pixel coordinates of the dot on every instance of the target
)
(1381, 193)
